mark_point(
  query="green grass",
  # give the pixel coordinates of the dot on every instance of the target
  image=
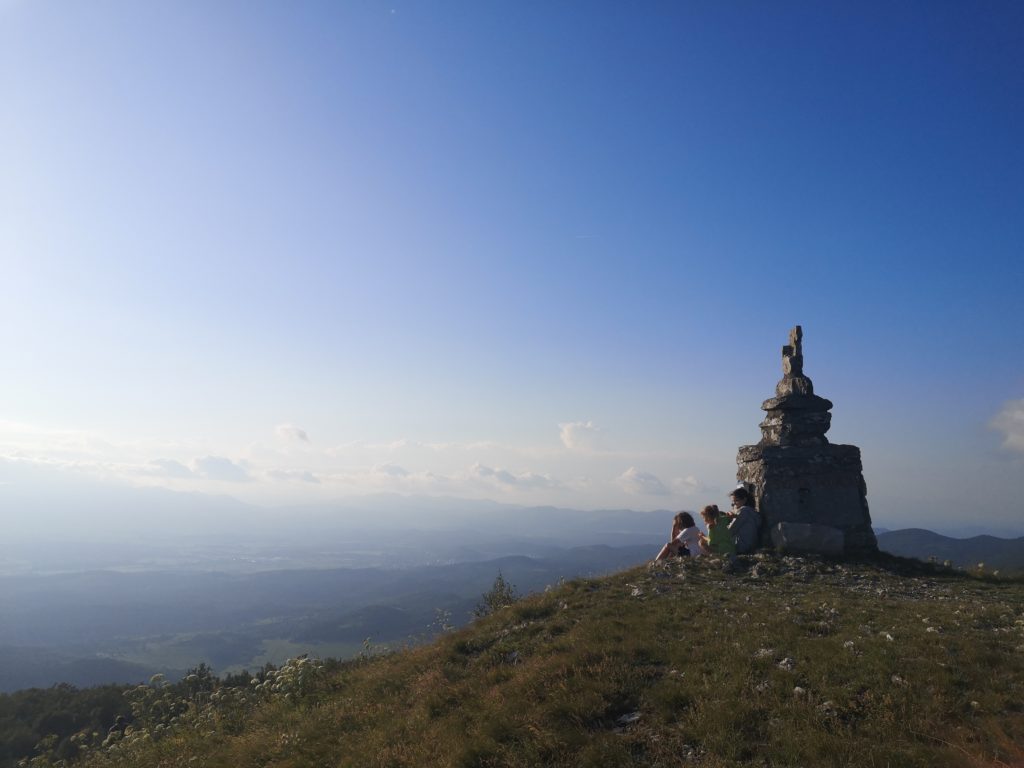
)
(679, 663)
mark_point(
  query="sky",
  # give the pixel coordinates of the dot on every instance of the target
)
(544, 253)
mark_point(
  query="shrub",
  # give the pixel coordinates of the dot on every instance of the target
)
(501, 595)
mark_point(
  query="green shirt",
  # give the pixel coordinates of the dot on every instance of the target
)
(720, 538)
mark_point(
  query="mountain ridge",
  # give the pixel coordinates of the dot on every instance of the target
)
(993, 552)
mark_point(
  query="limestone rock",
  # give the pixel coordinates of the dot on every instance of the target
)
(808, 538)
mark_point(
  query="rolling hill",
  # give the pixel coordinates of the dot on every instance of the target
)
(991, 551)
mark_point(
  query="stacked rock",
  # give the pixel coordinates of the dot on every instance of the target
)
(811, 493)
(796, 416)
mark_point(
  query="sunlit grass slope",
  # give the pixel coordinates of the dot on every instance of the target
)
(774, 662)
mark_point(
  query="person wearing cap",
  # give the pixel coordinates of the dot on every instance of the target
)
(746, 521)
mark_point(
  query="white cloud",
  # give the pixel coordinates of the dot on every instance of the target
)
(641, 483)
(291, 433)
(220, 468)
(1010, 422)
(579, 435)
(687, 485)
(167, 468)
(390, 477)
(292, 475)
(504, 478)
(390, 470)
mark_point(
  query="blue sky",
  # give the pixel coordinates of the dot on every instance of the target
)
(542, 252)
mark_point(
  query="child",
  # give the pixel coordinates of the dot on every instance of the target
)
(685, 540)
(719, 540)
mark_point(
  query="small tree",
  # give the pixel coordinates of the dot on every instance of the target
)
(501, 595)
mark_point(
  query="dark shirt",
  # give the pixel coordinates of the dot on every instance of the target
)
(745, 527)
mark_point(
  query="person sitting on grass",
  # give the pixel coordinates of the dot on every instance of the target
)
(685, 540)
(746, 521)
(719, 540)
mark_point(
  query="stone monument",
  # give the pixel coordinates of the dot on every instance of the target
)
(811, 494)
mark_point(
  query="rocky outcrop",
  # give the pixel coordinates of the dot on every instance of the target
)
(796, 475)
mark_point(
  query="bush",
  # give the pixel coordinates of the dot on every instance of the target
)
(501, 595)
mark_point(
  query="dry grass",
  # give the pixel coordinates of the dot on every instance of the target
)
(673, 664)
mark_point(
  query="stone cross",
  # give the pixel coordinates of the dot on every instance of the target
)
(793, 354)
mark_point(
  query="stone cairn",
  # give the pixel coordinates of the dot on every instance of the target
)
(811, 494)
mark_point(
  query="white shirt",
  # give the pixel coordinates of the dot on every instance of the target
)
(690, 538)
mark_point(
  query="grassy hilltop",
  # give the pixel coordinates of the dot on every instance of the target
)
(772, 662)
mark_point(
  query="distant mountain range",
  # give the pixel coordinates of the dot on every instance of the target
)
(98, 627)
(996, 553)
